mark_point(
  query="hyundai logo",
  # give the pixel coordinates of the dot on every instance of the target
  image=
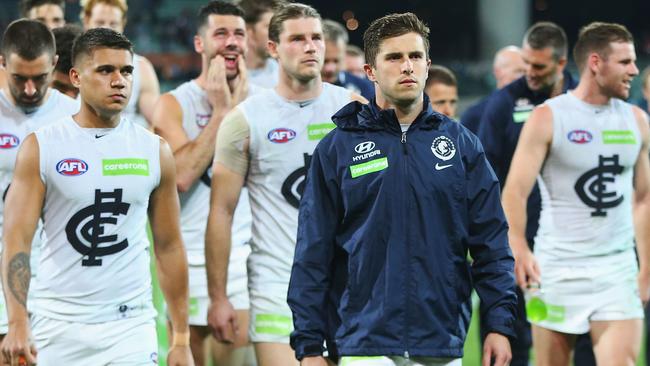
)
(364, 147)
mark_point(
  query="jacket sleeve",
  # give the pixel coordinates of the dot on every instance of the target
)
(311, 272)
(473, 114)
(493, 265)
(491, 132)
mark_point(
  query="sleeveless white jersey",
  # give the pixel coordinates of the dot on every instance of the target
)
(16, 125)
(195, 203)
(131, 110)
(586, 180)
(94, 265)
(283, 136)
(267, 76)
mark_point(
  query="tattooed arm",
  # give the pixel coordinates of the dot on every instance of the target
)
(21, 212)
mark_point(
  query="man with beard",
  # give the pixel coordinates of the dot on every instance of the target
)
(584, 258)
(49, 12)
(365, 289)
(188, 118)
(94, 178)
(545, 54)
(508, 66)
(267, 142)
(26, 103)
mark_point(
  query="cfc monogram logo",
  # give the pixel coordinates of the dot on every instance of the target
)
(294, 185)
(591, 187)
(85, 230)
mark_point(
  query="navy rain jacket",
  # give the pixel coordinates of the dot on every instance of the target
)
(503, 118)
(385, 226)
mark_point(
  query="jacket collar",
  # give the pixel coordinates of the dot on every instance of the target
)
(358, 116)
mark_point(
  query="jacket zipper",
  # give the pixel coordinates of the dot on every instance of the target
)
(408, 280)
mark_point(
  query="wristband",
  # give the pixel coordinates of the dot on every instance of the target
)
(180, 339)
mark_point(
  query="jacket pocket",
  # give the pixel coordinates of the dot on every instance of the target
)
(351, 288)
(461, 281)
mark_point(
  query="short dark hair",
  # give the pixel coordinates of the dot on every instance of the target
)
(29, 39)
(286, 12)
(27, 5)
(389, 26)
(335, 31)
(217, 7)
(96, 38)
(64, 37)
(596, 37)
(547, 34)
(439, 74)
(254, 9)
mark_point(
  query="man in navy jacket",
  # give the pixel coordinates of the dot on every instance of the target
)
(544, 50)
(395, 198)
(508, 66)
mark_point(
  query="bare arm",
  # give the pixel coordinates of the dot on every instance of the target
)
(149, 91)
(229, 169)
(193, 157)
(642, 206)
(532, 147)
(226, 188)
(22, 210)
(171, 261)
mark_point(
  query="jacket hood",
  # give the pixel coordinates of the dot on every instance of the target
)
(358, 116)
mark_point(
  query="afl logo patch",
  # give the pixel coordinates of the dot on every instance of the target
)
(580, 136)
(443, 148)
(202, 119)
(281, 135)
(71, 167)
(364, 147)
(8, 141)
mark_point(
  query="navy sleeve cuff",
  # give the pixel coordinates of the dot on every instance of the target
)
(502, 326)
(313, 349)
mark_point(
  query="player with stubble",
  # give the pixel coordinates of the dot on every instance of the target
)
(584, 258)
(94, 178)
(266, 143)
(362, 288)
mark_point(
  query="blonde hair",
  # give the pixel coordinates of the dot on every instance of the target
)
(88, 5)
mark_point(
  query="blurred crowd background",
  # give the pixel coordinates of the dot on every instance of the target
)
(465, 34)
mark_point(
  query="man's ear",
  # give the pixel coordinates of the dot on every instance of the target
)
(74, 77)
(370, 72)
(272, 49)
(198, 44)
